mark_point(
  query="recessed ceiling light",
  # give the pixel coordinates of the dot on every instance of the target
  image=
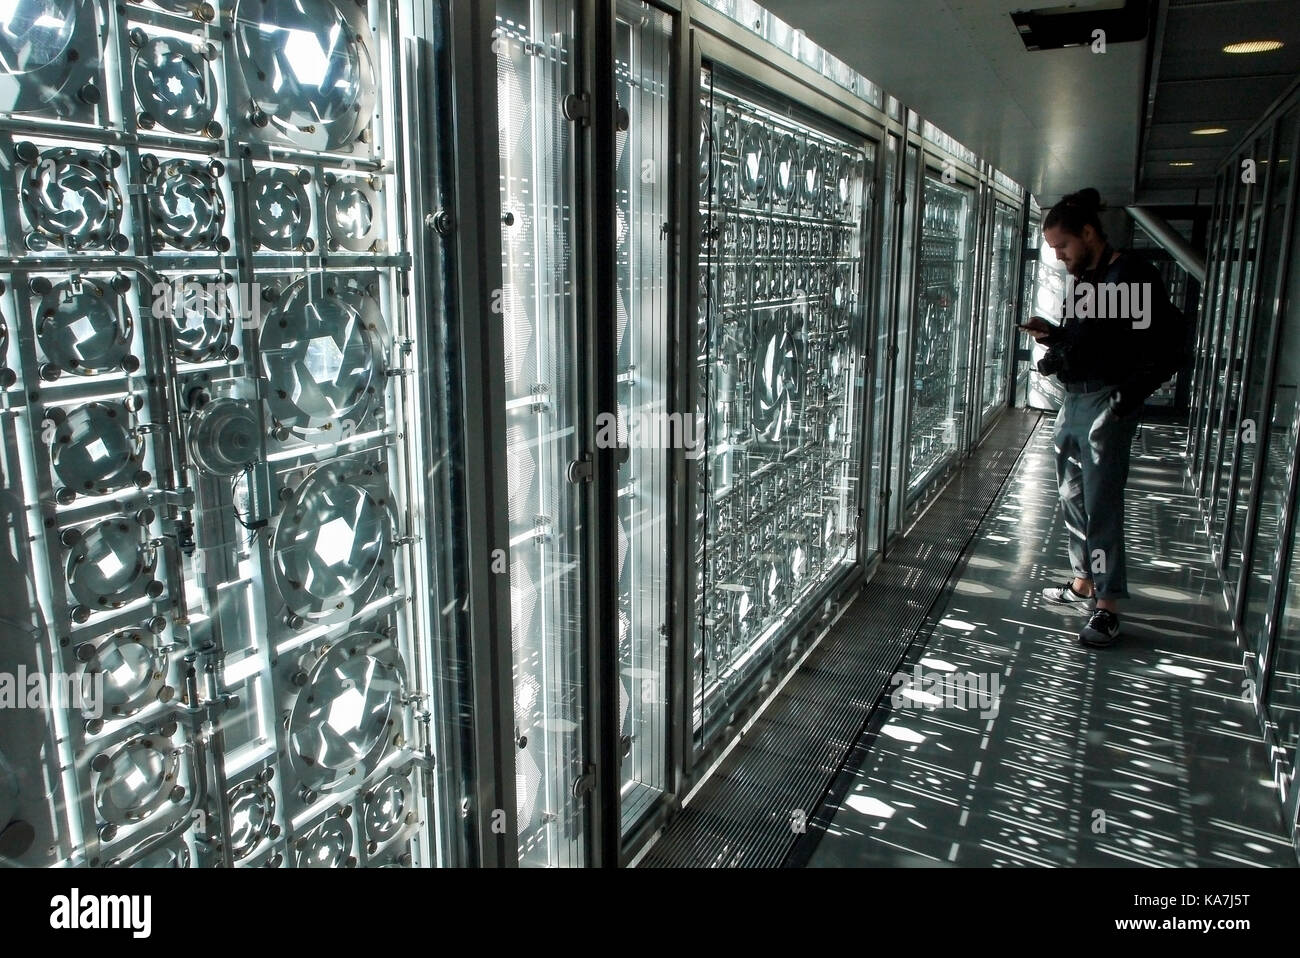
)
(1182, 163)
(1253, 46)
(1209, 130)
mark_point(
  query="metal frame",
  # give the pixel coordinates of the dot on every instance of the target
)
(477, 211)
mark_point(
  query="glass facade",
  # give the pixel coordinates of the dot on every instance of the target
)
(1245, 422)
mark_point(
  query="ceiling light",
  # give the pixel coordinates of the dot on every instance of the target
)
(1182, 163)
(1253, 46)
(1209, 130)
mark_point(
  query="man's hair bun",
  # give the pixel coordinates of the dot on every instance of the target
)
(1088, 198)
(1076, 211)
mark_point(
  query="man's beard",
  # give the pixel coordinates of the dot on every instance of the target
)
(1080, 270)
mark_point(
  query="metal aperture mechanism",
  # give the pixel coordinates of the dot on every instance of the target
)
(111, 565)
(308, 69)
(174, 86)
(84, 326)
(281, 209)
(186, 208)
(97, 449)
(333, 544)
(70, 199)
(319, 355)
(344, 719)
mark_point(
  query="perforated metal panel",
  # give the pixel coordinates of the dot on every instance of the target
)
(780, 345)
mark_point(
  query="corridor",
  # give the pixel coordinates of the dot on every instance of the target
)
(1145, 753)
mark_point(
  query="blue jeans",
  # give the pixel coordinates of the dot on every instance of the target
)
(1092, 452)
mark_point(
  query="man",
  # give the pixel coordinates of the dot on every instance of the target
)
(1120, 340)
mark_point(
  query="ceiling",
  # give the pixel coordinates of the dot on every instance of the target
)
(1058, 120)
(1198, 85)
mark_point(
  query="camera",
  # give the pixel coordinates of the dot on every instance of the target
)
(1053, 361)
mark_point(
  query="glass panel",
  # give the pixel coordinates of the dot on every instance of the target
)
(940, 346)
(643, 151)
(907, 297)
(1211, 315)
(1282, 698)
(884, 301)
(779, 370)
(1269, 256)
(1222, 344)
(208, 456)
(1236, 355)
(1000, 320)
(1029, 284)
(1277, 461)
(1271, 556)
(1176, 281)
(539, 304)
(1046, 392)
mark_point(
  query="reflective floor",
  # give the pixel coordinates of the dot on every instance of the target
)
(1008, 743)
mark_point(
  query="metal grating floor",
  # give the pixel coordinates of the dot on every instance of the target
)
(750, 812)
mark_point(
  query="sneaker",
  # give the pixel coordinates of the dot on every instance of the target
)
(1065, 595)
(1101, 629)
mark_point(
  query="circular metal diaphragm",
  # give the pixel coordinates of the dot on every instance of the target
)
(846, 178)
(755, 161)
(811, 176)
(352, 213)
(344, 718)
(709, 150)
(333, 542)
(130, 667)
(70, 199)
(319, 356)
(252, 813)
(778, 376)
(328, 845)
(786, 170)
(174, 84)
(201, 317)
(281, 209)
(136, 779)
(35, 34)
(36, 38)
(95, 449)
(84, 327)
(308, 70)
(111, 565)
(185, 204)
(387, 805)
(225, 436)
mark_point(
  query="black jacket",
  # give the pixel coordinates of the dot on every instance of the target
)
(1111, 349)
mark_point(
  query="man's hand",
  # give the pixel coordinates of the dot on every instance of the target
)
(1039, 328)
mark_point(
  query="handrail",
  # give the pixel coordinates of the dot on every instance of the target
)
(1158, 228)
